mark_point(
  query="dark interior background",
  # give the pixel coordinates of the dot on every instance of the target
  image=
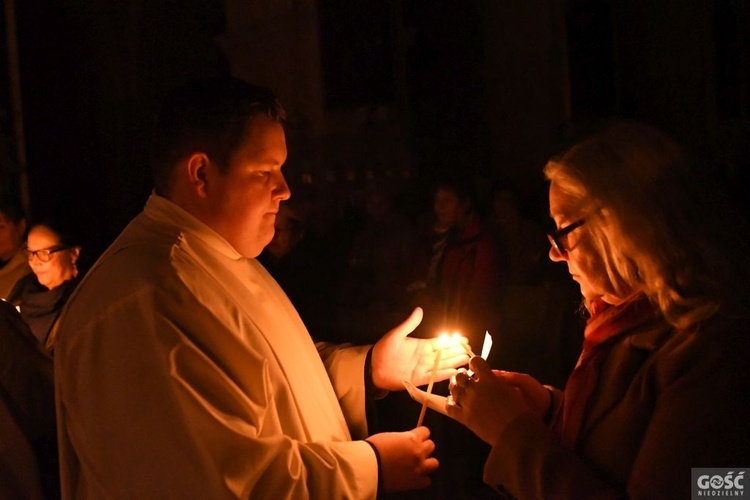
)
(93, 71)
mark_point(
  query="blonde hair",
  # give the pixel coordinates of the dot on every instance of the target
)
(648, 219)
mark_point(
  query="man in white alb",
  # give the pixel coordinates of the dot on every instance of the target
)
(183, 371)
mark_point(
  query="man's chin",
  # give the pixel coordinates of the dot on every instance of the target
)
(254, 251)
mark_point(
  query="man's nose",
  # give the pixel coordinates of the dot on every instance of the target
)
(282, 191)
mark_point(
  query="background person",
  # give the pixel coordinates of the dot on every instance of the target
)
(182, 369)
(28, 443)
(458, 294)
(460, 277)
(296, 259)
(520, 240)
(13, 263)
(53, 255)
(379, 266)
(661, 384)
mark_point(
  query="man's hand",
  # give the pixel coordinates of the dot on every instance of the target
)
(405, 458)
(396, 357)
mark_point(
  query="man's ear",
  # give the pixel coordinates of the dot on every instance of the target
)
(197, 170)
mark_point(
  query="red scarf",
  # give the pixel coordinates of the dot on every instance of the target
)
(606, 322)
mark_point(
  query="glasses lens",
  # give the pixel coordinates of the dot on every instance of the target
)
(41, 255)
(556, 243)
(44, 255)
(558, 238)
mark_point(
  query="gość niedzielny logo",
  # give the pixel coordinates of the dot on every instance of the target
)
(719, 483)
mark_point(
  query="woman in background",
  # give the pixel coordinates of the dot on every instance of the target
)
(459, 265)
(39, 297)
(458, 293)
(661, 385)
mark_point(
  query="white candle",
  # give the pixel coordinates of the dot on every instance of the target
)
(429, 386)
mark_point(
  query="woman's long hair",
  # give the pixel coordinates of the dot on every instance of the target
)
(651, 221)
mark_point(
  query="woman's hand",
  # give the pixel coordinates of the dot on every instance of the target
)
(536, 395)
(489, 400)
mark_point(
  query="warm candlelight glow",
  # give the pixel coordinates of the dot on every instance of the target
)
(445, 340)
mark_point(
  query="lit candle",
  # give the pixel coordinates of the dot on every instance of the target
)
(457, 338)
(486, 345)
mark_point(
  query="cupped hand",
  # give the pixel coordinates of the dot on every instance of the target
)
(405, 458)
(485, 402)
(397, 357)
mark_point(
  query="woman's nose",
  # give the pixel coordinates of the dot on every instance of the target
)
(556, 255)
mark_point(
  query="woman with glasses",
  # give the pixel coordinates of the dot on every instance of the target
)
(53, 255)
(661, 385)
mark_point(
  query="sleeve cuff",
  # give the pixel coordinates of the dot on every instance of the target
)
(380, 468)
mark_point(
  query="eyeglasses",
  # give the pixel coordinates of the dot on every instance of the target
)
(45, 254)
(558, 238)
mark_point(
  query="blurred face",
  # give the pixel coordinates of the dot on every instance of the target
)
(61, 266)
(449, 210)
(584, 263)
(284, 238)
(242, 202)
(504, 207)
(11, 237)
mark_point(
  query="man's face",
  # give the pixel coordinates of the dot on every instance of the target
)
(242, 203)
(11, 237)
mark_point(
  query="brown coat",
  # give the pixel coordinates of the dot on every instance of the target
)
(666, 401)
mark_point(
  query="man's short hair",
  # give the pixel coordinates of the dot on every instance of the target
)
(208, 115)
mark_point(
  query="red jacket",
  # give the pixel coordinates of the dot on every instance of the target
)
(463, 295)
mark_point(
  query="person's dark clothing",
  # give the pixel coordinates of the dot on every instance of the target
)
(27, 391)
(305, 274)
(646, 403)
(460, 295)
(40, 307)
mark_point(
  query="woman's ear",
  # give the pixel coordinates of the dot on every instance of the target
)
(75, 252)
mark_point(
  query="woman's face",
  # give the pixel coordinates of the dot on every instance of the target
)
(61, 266)
(584, 263)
